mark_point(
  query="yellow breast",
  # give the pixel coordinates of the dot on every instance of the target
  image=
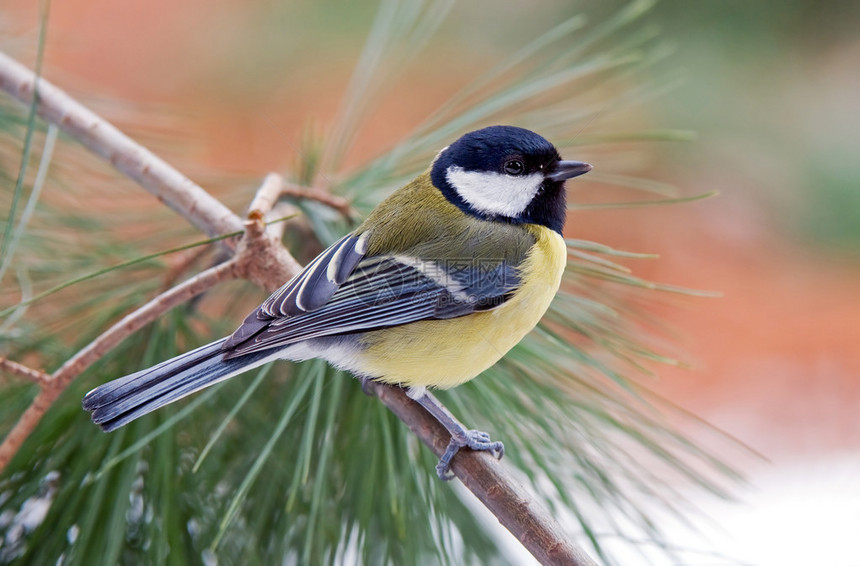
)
(445, 353)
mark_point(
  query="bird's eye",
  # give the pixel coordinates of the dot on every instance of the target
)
(514, 167)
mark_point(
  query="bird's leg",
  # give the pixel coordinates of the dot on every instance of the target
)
(365, 386)
(460, 435)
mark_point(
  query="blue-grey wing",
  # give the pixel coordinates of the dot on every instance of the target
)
(318, 281)
(377, 292)
(310, 289)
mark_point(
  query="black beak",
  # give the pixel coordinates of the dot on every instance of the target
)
(563, 170)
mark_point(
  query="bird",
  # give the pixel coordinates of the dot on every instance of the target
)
(442, 279)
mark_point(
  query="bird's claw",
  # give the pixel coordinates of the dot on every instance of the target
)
(474, 439)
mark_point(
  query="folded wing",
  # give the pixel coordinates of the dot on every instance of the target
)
(345, 291)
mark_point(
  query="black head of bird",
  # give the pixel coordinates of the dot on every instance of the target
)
(506, 173)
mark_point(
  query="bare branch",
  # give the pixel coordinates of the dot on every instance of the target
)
(24, 371)
(267, 195)
(338, 203)
(262, 257)
(27, 423)
(132, 159)
(136, 320)
(265, 262)
(274, 187)
(53, 386)
(491, 483)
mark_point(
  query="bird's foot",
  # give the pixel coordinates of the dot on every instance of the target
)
(461, 437)
(474, 439)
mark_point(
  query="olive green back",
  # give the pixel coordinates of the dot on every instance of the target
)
(418, 221)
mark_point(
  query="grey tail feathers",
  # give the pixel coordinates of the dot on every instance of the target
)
(122, 400)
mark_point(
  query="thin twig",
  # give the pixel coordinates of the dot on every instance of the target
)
(275, 187)
(23, 371)
(266, 196)
(262, 258)
(340, 204)
(136, 320)
(132, 159)
(52, 386)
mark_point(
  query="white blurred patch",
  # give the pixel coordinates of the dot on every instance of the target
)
(28, 518)
(800, 512)
(72, 533)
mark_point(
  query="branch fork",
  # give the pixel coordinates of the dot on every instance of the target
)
(21, 370)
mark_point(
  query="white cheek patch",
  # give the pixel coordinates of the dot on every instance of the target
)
(494, 193)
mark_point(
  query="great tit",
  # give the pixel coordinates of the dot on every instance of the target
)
(443, 278)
